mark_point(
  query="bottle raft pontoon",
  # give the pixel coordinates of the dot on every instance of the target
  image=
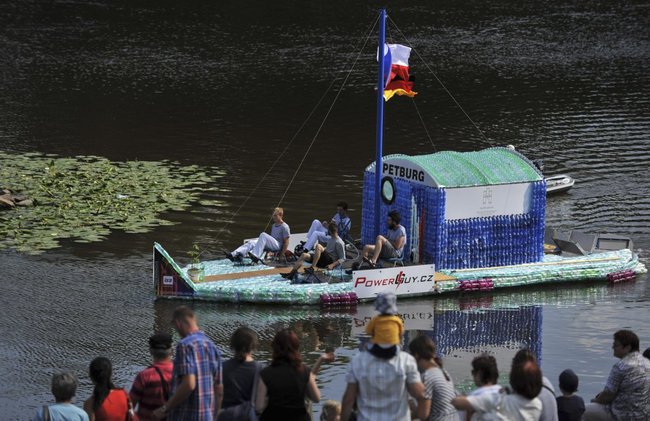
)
(256, 284)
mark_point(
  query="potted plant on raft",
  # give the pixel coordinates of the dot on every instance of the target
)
(195, 272)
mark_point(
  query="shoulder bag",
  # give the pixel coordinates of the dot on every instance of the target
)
(244, 411)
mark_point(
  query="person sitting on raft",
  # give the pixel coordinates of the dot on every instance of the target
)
(389, 247)
(318, 231)
(330, 256)
(278, 241)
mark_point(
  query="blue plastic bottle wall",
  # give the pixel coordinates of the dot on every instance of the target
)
(457, 244)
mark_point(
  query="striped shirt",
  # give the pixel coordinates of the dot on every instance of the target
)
(440, 391)
(197, 354)
(148, 390)
(383, 385)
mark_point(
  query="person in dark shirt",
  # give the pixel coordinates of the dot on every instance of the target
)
(284, 385)
(570, 406)
(239, 373)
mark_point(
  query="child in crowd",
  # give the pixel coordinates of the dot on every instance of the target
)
(570, 406)
(331, 411)
(386, 328)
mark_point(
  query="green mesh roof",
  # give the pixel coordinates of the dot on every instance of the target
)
(462, 169)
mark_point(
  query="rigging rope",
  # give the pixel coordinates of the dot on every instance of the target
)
(325, 119)
(293, 138)
(442, 84)
(234, 215)
(417, 110)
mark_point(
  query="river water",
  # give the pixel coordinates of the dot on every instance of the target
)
(227, 86)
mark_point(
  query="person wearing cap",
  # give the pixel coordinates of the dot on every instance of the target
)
(151, 387)
(386, 328)
(380, 380)
(570, 406)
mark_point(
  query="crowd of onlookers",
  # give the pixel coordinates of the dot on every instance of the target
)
(384, 382)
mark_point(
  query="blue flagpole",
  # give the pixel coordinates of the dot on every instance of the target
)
(380, 118)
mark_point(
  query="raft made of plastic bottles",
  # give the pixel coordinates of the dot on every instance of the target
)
(172, 281)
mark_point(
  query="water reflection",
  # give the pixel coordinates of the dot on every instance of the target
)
(499, 323)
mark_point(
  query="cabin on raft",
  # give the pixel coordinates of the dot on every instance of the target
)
(461, 209)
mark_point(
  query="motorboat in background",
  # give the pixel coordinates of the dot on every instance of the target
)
(558, 183)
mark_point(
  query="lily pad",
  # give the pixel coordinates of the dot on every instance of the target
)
(85, 197)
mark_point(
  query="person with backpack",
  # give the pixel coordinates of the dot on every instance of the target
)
(151, 387)
(240, 375)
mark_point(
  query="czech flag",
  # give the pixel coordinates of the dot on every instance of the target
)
(396, 71)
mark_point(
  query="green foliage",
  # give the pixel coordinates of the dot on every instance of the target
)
(85, 197)
(194, 254)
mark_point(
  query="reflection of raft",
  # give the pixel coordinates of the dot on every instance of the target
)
(267, 286)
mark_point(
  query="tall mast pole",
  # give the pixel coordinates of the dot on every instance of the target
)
(380, 118)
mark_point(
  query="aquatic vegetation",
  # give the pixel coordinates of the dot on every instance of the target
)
(83, 198)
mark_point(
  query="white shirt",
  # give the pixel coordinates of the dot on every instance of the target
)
(485, 416)
(549, 404)
(500, 406)
(383, 395)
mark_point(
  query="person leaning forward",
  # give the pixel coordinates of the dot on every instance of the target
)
(328, 257)
(197, 388)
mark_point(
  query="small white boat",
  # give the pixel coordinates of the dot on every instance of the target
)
(559, 183)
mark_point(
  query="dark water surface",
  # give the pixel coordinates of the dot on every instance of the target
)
(228, 85)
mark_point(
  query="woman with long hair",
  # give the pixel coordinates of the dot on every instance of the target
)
(107, 403)
(438, 387)
(284, 385)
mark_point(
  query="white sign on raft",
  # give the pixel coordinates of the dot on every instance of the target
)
(408, 280)
(414, 316)
(485, 201)
(405, 170)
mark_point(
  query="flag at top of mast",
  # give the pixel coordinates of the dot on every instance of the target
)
(396, 71)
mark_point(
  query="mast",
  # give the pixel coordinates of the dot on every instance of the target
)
(380, 117)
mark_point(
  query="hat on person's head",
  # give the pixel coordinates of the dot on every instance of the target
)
(160, 340)
(568, 381)
(386, 303)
